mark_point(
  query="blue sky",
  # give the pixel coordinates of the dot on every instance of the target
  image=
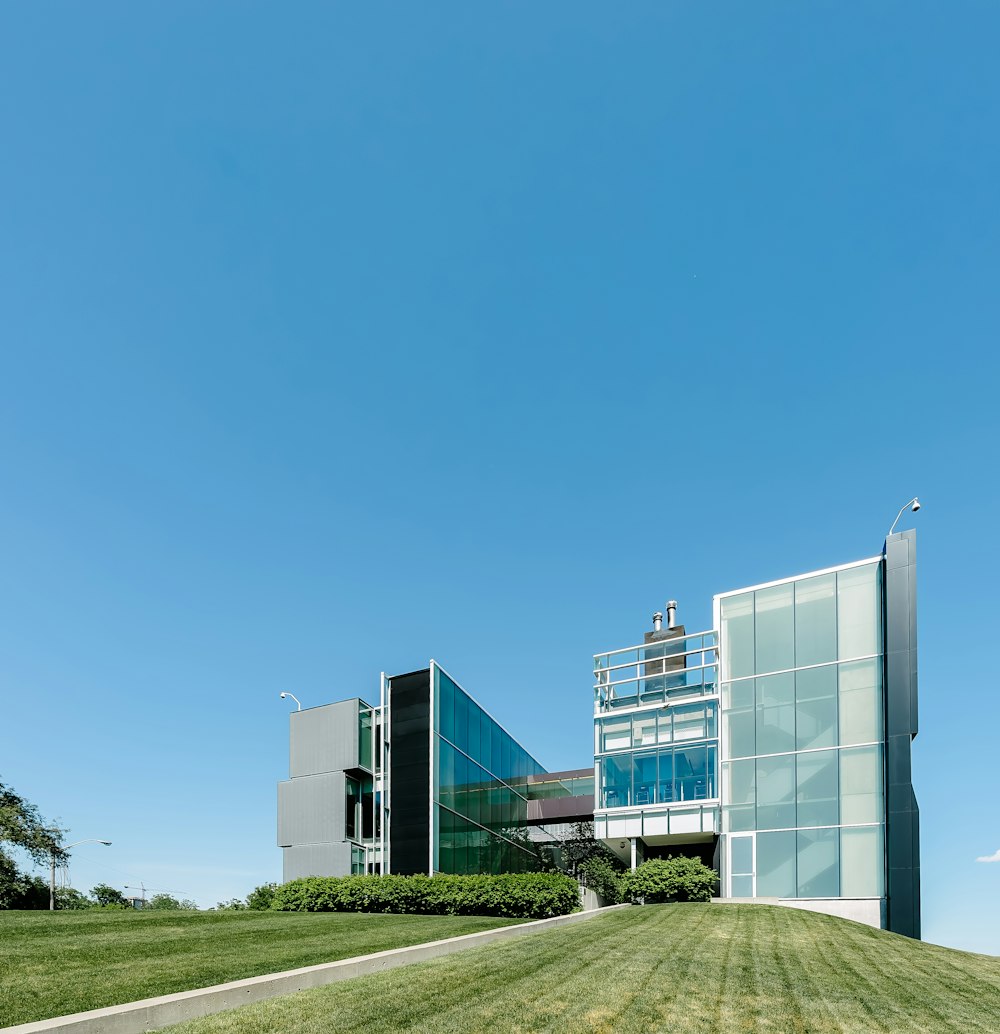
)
(337, 337)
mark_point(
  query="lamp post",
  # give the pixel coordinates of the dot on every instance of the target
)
(913, 504)
(295, 698)
(52, 866)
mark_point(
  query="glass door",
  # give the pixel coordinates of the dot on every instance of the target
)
(741, 866)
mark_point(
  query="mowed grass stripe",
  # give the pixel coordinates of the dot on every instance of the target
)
(678, 968)
(52, 964)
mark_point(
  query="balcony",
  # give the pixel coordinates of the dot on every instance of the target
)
(656, 673)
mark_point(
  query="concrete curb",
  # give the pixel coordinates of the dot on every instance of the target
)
(153, 1013)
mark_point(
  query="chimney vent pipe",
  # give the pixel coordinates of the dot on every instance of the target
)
(671, 613)
(657, 621)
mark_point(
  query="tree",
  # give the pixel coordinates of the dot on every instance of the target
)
(69, 898)
(168, 903)
(105, 895)
(22, 826)
(260, 898)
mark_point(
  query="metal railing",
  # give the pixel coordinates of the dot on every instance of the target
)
(656, 672)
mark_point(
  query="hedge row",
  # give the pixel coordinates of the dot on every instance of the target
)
(519, 896)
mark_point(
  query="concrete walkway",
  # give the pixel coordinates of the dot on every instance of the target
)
(153, 1013)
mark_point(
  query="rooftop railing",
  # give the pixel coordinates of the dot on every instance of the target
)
(656, 672)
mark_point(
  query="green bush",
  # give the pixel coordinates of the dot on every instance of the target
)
(598, 874)
(671, 879)
(261, 897)
(518, 896)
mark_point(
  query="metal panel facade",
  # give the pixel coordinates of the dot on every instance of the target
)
(316, 860)
(324, 739)
(311, 810)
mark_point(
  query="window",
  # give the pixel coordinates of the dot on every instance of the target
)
(738, 635)
(644, 778)
(617, 779)
(858, 618)
(644, 730)
(776, 713)
(740, 791)
(774, 629)
(739, 719)
(776, 864)
(741, 867)
(817, 801)
(816, 707)
(352, 806)
(861, 874)
(776, 792)
(816, 620)
(818, 863)
(364, 736)
(860, 785)
(860, 702)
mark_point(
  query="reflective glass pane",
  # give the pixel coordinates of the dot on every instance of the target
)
(691, 773)
(644, 730)
(665, 727)
(818, 863)
(776, 865)
(816, 707)
(741, 855)
(742, 886)
(739, 719)
(860, 702)
(446, 774)
(665, 776)
(616, 733)
(776, 713)
(776, 792)
(486, 743)
(858, 618)
(471, 744)
(644, 778)
(446, 708)
(617, 780)
(689, 723)
(816, 620)
(816, 795)
(861, 873)
(739, 779)
(737, 635)
(774, 628)
(860, 785)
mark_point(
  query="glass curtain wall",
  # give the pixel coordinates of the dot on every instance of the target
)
(480, 789)
(802, 734)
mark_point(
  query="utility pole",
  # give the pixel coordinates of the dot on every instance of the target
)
(52, 864)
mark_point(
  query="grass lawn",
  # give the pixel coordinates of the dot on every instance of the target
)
(57, 963)
(676, 968)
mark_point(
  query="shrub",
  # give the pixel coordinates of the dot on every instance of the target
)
(671, 879)
(261, 897)
(601, 876)
(518, 896)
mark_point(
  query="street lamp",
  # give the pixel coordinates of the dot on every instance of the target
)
(294, 697)
(52, 869)
(913, 504)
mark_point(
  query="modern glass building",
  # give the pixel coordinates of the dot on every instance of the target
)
(429, 783)
(777, 745)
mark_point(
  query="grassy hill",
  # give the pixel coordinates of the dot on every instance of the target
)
(62, 962)
(677, 968)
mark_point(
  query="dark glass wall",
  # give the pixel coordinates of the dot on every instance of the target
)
(480, 789)
(409, 772)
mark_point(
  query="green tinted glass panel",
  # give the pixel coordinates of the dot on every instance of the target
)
(860, 785)
(739, 779)
(861, 865)
(739, 719)
(776, 713)
(816, 707)
(858, 617)
(644, 778)
(776, 792)
(860, 702)
(738, 635)
(446, 706)
(818, 865)
(741, 855)
(616, 785)
(742, 886)
(816, 780)
(364, 737)
(776, 865)
(774, 628)
(816, 620)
